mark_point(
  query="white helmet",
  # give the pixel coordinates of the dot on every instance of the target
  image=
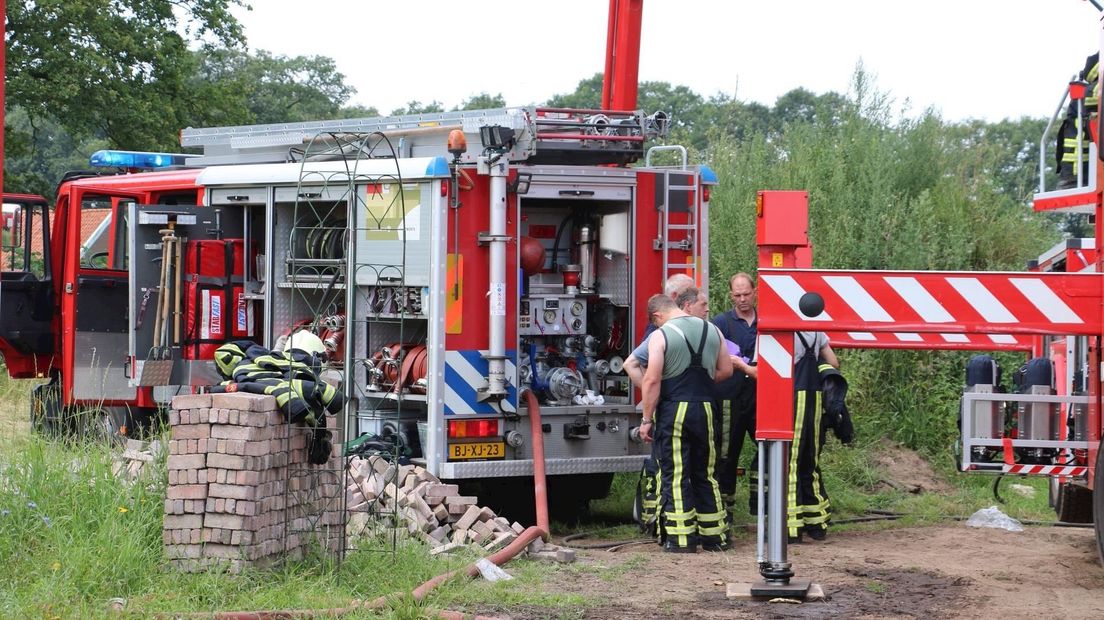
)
(306, 341)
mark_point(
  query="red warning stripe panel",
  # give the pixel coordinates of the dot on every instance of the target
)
(933, 302)
(1074, 471)
(927, 341)
(774, 389)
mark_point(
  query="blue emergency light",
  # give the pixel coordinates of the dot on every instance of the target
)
(134, 159)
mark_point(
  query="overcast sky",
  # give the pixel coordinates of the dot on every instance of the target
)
(988, 59)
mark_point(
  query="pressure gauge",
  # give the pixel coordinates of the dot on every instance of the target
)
(577, 308)
(550, 316)
(577, 324)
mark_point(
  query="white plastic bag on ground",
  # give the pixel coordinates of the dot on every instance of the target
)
(993, 517)
(491, 572)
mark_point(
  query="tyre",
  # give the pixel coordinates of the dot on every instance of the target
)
(46, 409)
(1098, 500)
(101, 424)
(1074, 503)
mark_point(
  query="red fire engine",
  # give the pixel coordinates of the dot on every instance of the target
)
(448, 261)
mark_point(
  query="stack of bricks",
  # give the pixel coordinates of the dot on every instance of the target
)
(239, 482)
(429, 510)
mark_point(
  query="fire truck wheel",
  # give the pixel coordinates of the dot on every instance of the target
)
(1074, 503)
(46, 409)
(101, 424)
(1098, 501)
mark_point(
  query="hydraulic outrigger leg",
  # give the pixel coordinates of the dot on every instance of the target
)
(775, 567)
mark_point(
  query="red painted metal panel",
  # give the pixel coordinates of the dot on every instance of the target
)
(649, 261)
(474, 218)
(774, 389)
(781, 216)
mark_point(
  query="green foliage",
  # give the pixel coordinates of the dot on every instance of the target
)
(263, 88)
(886, 193)
(417, 107)
(61, 509)
(483, 101)
(112, 68)
(587, 95)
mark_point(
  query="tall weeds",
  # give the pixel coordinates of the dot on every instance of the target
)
(886, 191)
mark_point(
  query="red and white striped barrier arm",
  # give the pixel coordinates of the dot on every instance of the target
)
(926, 341)
(1075, 471)
(946, 304)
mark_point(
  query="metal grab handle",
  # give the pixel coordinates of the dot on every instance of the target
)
(674, 147)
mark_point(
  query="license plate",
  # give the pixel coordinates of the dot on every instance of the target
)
(478, 450)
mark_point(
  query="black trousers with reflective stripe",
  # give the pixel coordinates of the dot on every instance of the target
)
(690, 500)
(807, 500)
(738, 421)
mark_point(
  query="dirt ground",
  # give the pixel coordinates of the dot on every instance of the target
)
(950, 571)
(867, 572)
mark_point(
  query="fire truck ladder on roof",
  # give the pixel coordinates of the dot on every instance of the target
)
(678, 195)
(540, 135)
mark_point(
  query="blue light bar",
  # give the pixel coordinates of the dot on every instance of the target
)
(135, 159)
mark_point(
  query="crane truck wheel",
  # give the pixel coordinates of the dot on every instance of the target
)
(1073, 503)
(1098, 501)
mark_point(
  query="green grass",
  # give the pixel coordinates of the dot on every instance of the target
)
(73, 537)
(15, 413)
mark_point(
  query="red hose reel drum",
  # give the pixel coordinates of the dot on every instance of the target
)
(414, 366)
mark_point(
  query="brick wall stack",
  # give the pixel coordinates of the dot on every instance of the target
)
(241, 491)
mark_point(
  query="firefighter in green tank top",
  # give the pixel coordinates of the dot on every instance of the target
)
(685, 359)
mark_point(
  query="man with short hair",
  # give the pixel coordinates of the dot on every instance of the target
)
(677, 284)
(673, 287)
(694, 301)
(739, 326)
(685, 357)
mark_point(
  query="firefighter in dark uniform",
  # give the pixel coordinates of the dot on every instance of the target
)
(808, 507)
(685, 358)
(736, 395)
(1073, 136)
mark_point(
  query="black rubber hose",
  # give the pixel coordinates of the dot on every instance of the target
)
(605, 545)
(556, 243)
(996, 488)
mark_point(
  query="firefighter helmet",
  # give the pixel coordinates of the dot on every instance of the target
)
(306, 341)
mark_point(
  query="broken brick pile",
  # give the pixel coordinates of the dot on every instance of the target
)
(134, 461)
(240, 488)
(430, 510)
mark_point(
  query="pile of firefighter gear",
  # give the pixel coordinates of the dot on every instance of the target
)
(291, 376)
